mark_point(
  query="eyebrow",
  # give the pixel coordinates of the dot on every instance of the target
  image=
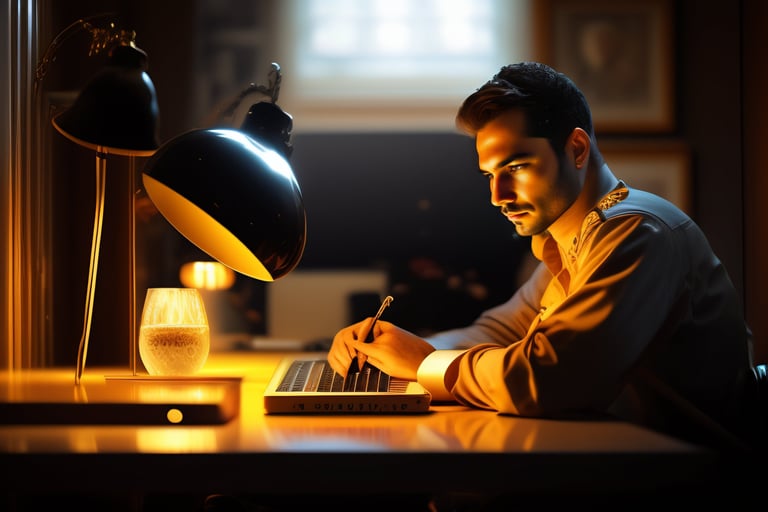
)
(515, 156)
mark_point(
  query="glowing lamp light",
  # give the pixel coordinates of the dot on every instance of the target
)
(206, 275)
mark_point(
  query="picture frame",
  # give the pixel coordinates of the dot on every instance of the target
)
(620, 54)
(660, 167)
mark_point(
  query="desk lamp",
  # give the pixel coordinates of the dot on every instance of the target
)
(233, 193)
(114, 114)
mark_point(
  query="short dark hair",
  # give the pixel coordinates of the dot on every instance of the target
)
(551, 103)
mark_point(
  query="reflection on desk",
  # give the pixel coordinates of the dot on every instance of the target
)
(451, 448)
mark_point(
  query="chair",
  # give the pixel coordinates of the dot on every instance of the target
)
(760, 372)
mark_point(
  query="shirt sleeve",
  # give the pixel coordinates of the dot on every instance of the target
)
(437, 373)
(624, 281)
(504, 323)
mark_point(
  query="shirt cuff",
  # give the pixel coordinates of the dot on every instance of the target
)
(438, 372)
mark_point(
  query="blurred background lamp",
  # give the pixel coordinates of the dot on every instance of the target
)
(233, 193)
(207, 275)
(115, 113)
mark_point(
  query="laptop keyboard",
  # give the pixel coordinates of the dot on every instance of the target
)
(318, 376)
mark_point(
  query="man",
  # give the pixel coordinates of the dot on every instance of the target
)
(629, 315)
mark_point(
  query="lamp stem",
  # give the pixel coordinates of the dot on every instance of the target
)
(101, 174)
(132, 261)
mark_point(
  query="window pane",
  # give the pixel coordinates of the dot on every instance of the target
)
(364, 55)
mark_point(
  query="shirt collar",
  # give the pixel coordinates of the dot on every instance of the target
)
(570, 238)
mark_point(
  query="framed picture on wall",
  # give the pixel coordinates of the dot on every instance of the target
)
(663, 168)
(620, 54)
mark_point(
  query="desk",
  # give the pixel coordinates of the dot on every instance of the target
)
(450, 449)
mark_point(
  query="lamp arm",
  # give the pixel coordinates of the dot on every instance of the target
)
(275, 79)
(101, 39)
(272, 91)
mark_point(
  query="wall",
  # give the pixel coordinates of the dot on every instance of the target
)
(710, 103)
(723, 112)
(755, 129)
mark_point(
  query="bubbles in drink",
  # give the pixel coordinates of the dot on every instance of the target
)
(174, 349)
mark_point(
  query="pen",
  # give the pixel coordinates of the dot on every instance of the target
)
(369, 335)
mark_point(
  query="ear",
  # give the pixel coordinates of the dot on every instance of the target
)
(578, 146)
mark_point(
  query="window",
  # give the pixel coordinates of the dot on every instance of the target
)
(393, 63)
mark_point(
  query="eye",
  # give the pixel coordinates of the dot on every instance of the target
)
(513, 168)
(508, 169)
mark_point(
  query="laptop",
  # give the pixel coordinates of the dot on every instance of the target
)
(306, 384)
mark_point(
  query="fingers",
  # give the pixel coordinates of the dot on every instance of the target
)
(338, 364)
(348, 345)
(343, 361)
(342, 351)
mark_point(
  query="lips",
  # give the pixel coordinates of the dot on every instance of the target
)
(513, 215)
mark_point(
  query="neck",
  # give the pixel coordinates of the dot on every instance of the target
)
(598, 182)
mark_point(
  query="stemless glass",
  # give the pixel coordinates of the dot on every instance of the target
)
(174, 336)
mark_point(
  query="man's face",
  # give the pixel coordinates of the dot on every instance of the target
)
(526, 178)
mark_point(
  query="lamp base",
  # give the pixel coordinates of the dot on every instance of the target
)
(143, 377)
(43, 398)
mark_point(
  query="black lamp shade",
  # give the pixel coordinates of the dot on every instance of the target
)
(117, 109)
(233, 196)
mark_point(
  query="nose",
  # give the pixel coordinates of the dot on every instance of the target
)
(502, 191)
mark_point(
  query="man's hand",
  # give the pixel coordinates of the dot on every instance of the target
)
(394, 351)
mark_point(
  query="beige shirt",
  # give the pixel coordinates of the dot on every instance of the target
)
(635, 319)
